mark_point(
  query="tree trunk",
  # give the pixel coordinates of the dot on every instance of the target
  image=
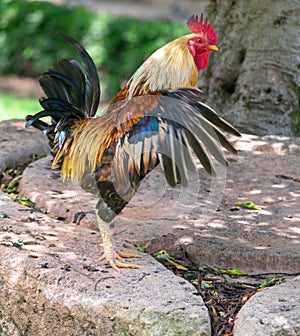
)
(254, 80)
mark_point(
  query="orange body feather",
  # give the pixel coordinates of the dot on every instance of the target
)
(93, 136)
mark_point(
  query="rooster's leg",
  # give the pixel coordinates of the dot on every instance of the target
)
(113, 258)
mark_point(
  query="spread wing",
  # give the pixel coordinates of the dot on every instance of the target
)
(167, 127)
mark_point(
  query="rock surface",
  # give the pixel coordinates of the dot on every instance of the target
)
(277, 312)
(201, 224)
(49, 279)
(52, 284)
(18, 145)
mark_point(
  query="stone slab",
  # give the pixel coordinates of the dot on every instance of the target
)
(201, 224)
(18, 145)
(52, 284)
(275, 311)
(208, 229)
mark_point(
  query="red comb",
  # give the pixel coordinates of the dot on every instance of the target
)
(201, 26)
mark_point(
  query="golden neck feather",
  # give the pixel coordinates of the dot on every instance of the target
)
(171, 66)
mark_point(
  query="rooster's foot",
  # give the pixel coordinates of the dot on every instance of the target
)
(117, 262)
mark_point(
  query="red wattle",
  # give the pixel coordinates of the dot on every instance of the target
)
(201, 60)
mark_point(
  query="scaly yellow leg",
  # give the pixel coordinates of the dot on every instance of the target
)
(113, 258)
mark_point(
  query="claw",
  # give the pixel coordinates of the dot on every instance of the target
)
(117, 262)
(120, 255)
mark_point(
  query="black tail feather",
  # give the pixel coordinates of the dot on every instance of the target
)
(92, 87)
(73, 93)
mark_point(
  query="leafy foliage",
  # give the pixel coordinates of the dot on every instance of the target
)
(29, 44)
(28, 40)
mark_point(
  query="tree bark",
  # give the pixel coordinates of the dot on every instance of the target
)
(254, 80)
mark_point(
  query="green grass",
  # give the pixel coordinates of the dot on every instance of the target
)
(12, 107)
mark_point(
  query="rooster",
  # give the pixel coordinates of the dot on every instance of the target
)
(157, 118)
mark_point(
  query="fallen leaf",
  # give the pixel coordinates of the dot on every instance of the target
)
(25, 201)
(178, 266)
(234, 271)
(13, 184)
(271, 281)
(206, 284)
(246, 297)
(164, 255)
(214, 313)
(247, 205)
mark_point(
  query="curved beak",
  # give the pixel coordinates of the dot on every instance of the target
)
(213, 47)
